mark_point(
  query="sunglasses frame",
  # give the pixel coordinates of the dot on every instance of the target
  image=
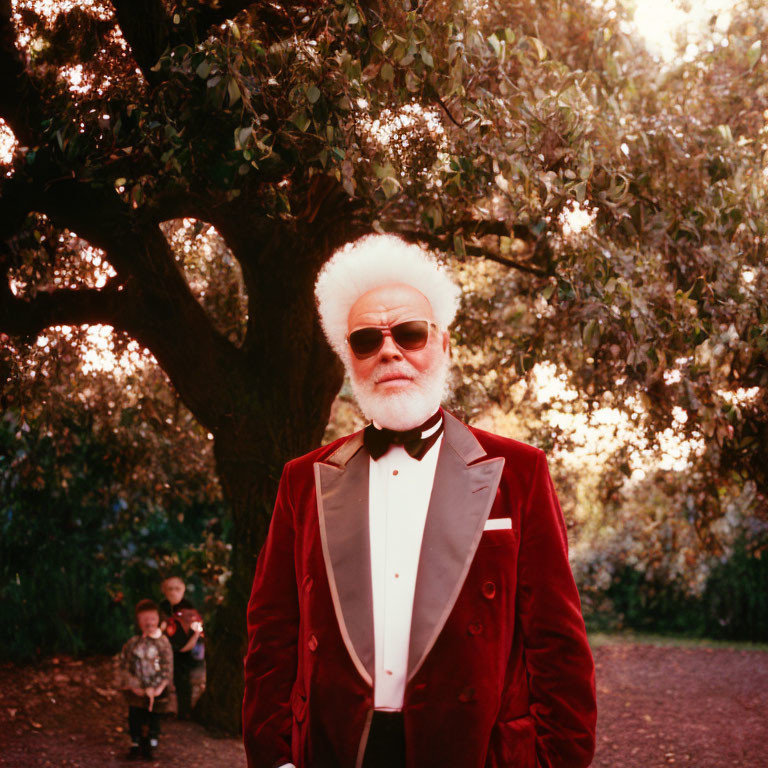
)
(386, 330)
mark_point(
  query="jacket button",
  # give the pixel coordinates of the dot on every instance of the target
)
(468, 694)
(312, 643)
(489, 590)
(475, 628)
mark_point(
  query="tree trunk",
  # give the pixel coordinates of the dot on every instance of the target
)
(278, 406)
(249, 465)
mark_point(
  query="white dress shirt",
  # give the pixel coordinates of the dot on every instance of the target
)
(398, 497)
(399, 488)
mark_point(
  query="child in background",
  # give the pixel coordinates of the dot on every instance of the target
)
(184, 627)
(146, 663)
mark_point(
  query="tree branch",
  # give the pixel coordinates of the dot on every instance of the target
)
(145, 25)
(210, 15)
(75, 306)
(484, 253)
(19, 101)
(445, 243)
(155, 304)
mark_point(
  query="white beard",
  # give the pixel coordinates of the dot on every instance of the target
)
(408, 409)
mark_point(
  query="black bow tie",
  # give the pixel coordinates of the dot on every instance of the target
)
(378, 441)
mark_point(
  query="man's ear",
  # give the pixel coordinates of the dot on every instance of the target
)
(446, 342)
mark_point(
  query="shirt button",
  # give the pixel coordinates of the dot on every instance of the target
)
(388, 671)
(468, 694)
(397, 575)
(489, 590)
(312, 643)
(394, 471)
(475, 628)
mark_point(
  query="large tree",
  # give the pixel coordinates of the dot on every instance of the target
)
(473, 128)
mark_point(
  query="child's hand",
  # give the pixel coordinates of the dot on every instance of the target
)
(138, 691)
(197, 627)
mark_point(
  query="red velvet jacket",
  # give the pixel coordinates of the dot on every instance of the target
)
(499, 673)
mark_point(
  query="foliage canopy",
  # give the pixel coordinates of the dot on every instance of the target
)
(478, 129)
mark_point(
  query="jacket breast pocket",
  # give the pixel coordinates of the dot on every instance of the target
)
(504, 537)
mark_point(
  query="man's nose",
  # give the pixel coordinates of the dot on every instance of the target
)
(389, 350)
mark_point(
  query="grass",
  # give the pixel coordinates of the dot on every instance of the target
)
(599, 639)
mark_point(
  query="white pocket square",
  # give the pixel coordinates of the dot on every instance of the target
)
(498, 524)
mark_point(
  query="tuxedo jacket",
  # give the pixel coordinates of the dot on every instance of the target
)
(500, 674)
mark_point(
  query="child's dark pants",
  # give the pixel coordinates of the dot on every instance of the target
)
(138, 718)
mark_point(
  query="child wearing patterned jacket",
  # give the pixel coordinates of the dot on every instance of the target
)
(146, 664)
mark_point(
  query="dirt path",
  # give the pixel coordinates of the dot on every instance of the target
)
(659, 706)
(692, 707)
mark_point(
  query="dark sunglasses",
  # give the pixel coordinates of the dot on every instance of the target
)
(411, 335)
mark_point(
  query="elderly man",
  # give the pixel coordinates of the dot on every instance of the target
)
(413, 604)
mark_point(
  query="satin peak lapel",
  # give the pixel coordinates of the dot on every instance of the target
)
(342, 506)
(462, 496)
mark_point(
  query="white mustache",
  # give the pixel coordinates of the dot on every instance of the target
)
(392, 372)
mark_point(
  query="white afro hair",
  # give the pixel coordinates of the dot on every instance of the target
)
(371, 262)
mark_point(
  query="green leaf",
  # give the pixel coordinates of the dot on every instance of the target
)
(591, 334)
(548, 290)
(753, 54)
(387, 73)
(203, 69)
(426, 57)
(233, 91)
(495, 44)
(390, 187)
(313, 93)
(725, 133)
(541, 49)
(301, 120)
(384, 171)
(242, 135)
(458, 245)
(353, 17)
(433, 217)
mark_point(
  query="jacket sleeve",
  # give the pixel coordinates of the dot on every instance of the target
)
(561, 672)
(273, 627)
(166, 659)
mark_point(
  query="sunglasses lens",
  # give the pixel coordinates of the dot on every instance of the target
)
(365, 341)
(411, 335)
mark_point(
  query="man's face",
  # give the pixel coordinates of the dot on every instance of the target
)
(148, 622)
(173, 590)
(396, 386)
